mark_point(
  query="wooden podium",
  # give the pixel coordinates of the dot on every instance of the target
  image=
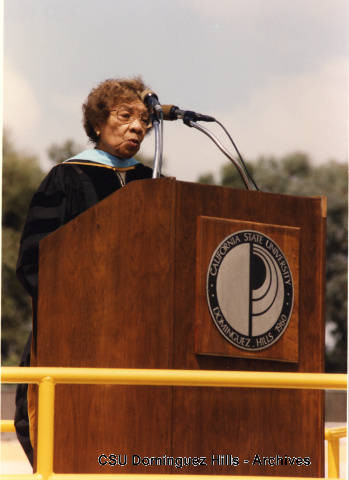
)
(124, 285)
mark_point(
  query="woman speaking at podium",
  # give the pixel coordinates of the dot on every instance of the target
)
(116, 121)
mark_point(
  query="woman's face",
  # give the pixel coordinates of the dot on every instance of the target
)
(124, 130)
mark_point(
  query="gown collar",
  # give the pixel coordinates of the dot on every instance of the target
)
(100, 156)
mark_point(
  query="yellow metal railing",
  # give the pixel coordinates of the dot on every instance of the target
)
(47, 377)
(7, 426)
(333, 436)
(144, 476)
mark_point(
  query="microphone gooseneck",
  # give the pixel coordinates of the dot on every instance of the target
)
(171, 112)
(151, 101)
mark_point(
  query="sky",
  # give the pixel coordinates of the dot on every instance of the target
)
(274, 72)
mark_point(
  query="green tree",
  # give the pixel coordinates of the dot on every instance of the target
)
(207, 178)
(58, 152)
(21, 177)
(295, 174)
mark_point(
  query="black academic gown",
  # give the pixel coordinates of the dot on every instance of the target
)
(69, 189)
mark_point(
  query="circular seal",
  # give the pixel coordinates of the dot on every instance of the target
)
(250, 290)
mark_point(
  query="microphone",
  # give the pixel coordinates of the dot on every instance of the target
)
(171, 112)
(150, 99)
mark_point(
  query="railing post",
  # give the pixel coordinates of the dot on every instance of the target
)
(45, 427)
(333, 456)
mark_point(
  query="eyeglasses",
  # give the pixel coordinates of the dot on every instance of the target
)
(127, 115)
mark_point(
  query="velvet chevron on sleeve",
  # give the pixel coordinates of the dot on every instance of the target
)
(46, 214)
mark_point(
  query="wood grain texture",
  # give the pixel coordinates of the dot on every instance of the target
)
(123, 295)
(109, 304)
(245, 420)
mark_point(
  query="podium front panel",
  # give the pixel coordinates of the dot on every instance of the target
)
(123, 294)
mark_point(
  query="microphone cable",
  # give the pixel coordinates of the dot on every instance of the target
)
(244, 173)
(238, 153)
(172, 112)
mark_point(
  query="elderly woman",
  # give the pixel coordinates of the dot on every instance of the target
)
(116, 121)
